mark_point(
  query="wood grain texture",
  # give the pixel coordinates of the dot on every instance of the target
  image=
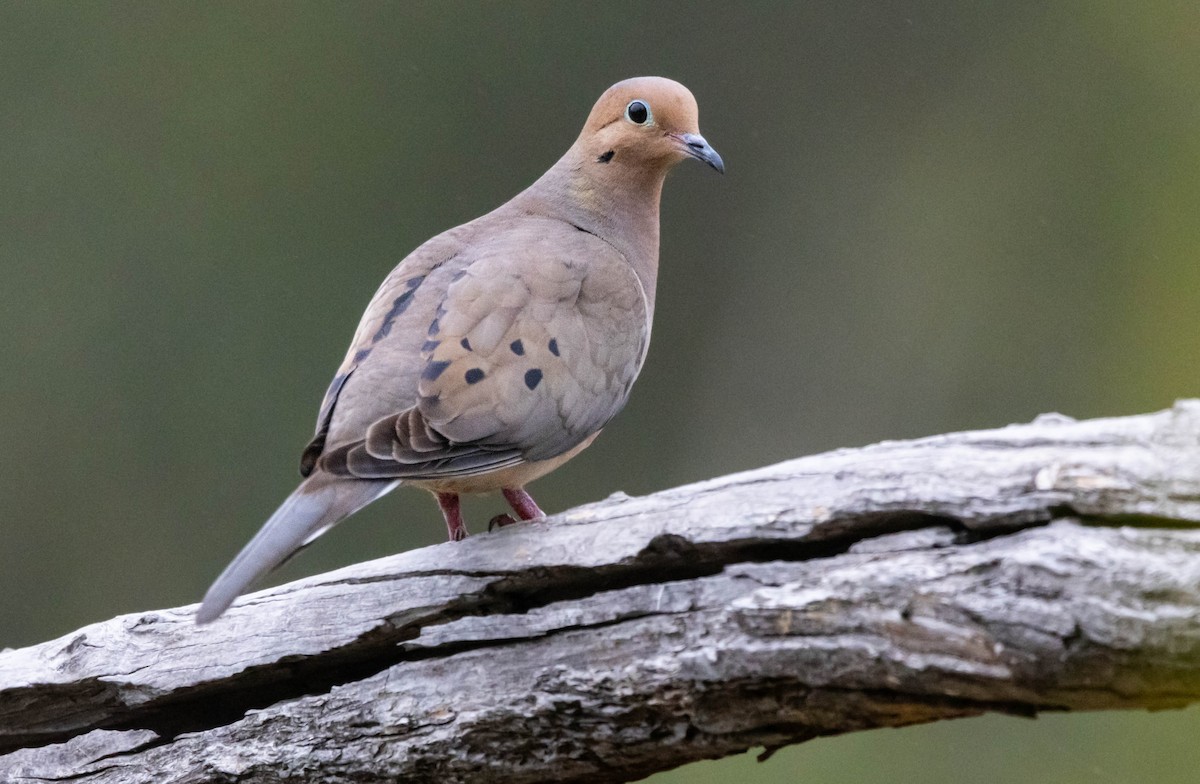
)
(1047, 566)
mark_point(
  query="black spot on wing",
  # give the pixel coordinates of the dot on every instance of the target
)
(361, 354)
(553, 347)
(430, 346)
(533, 378)
(465, 344)
(435, 326)
(433, 370)
(399, 305)
(474, 376)
(517, 347)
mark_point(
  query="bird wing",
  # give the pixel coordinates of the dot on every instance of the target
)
(532, 349)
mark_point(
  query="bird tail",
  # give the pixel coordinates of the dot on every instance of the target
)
(319, 503)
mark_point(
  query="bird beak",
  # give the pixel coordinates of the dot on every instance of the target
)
(695, 145)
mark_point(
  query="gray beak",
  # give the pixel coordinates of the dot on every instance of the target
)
(696, 146)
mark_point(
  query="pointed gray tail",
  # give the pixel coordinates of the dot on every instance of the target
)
(314, 507)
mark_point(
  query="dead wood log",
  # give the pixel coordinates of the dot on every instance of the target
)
(1047, 566)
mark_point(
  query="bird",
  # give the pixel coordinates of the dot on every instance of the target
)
(497, 350)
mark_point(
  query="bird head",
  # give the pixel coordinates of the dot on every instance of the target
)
(645, 124)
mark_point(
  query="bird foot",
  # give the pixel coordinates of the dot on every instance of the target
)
(501, 521)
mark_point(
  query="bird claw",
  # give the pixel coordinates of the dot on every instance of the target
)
(501, 521)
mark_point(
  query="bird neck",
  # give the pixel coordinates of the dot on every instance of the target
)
(617, 203)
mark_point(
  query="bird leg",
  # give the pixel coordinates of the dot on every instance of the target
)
(522, 503)
(453, 514)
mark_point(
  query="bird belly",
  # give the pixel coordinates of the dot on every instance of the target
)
(513, 476)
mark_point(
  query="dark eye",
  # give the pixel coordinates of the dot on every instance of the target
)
(637, 112)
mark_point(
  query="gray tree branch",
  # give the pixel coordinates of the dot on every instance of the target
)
(1047, 566)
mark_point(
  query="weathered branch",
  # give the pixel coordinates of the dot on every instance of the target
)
(1047, 566)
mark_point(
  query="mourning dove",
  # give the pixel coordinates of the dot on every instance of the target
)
(496, 351)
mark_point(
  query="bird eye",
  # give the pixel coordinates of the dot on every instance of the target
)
(637, 112)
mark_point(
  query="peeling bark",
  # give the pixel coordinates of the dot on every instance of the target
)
(1048, 566)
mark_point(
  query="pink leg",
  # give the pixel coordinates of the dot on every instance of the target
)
(522, 503)
(453, 514)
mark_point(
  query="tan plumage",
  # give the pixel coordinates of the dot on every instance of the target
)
(497, 350)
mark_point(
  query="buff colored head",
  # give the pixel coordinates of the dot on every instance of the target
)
(647, 121)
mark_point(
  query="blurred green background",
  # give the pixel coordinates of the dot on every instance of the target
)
(938, 215)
